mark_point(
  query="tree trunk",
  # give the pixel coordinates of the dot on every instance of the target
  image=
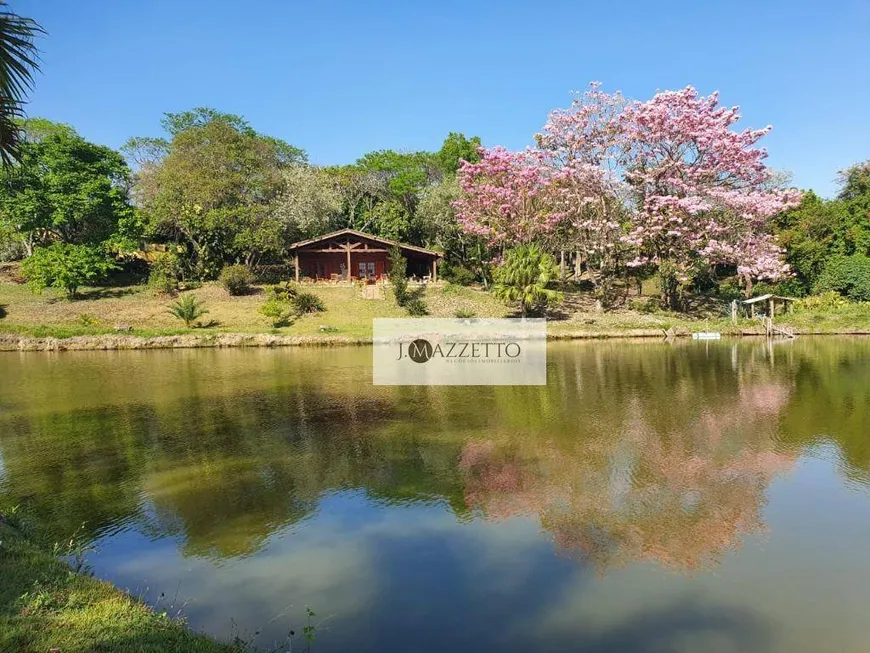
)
(669, 288)
(578, 265)
(562, 265)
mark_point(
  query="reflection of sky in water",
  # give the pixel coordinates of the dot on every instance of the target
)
(652, 498)
(381, 577)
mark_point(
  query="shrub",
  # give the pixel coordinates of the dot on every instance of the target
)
(283, 292)
(398, 275)
(829, 301)
(66, 266)
(463, 313)
(457, 273)
(307, 302)
(730, 289)
(187, 309)
(277, 311)
(416, 307)
(847, 275)
(165, 272)
(236, 279)
(644, 304)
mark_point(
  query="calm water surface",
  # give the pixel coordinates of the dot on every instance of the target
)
(653, 497)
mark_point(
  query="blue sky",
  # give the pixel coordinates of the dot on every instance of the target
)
(344, 78)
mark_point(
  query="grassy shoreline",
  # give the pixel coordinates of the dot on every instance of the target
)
(135, 318)
(45, 605)
(115, 342)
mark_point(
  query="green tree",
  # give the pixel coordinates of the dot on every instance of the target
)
(847, 275)
(209, 187)
(406, 174)
(392, 220)
(67, 189)
(398, 275)
(457, 148)
(19, 59)
(309, 202)
(524, 277)
(66, 266)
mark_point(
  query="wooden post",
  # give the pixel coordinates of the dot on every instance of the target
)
(772, 304)
(434, 270)
(733, 311)
(296, 264)
(752, 310)
(349, 275)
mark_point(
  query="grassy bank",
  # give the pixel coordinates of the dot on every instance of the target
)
(348, 316)
(44, 605)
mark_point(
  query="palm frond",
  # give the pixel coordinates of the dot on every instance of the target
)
(19, 60)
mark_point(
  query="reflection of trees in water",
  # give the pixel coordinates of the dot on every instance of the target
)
(677, 482)
(632, 452)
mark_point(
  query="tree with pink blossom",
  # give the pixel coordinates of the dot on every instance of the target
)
(507, 197)
(582, 145)
(703, 192)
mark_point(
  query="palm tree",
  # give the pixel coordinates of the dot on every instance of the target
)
(187, 309)
(524, 277)
(19, 59)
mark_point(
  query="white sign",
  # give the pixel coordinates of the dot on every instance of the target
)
(447, 351)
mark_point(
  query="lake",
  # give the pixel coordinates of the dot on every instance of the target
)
(652, 497)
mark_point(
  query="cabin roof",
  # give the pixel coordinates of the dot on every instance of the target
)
(361, 234)
(764, 298)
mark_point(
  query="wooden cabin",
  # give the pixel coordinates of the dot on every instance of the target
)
(349, 254)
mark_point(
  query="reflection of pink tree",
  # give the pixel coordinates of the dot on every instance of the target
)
(680, 497)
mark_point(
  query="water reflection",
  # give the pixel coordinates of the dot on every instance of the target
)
(292, 462)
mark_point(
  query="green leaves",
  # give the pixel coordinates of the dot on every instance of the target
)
(67, 267)
(66, 188)
(19, 59)
(188, 309)
(524, 277)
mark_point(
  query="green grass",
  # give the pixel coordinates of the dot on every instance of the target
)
(350, 316)
(44, 605)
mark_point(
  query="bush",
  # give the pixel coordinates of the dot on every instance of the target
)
(457, 273)
(416, 307)
(277, 311)
(644, 304)
(187, 309)
(165, 272)
(66, 266)
(827, 302)
(283, 292)
(236, 279)
(463, 313)
(307, 302)
(847, 275)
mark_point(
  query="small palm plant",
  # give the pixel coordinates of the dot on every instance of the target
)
(524, 277)
(188, 309)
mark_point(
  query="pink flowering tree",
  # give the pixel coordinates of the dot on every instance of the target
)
(583, 146)
(703, 192)
(507, 198)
